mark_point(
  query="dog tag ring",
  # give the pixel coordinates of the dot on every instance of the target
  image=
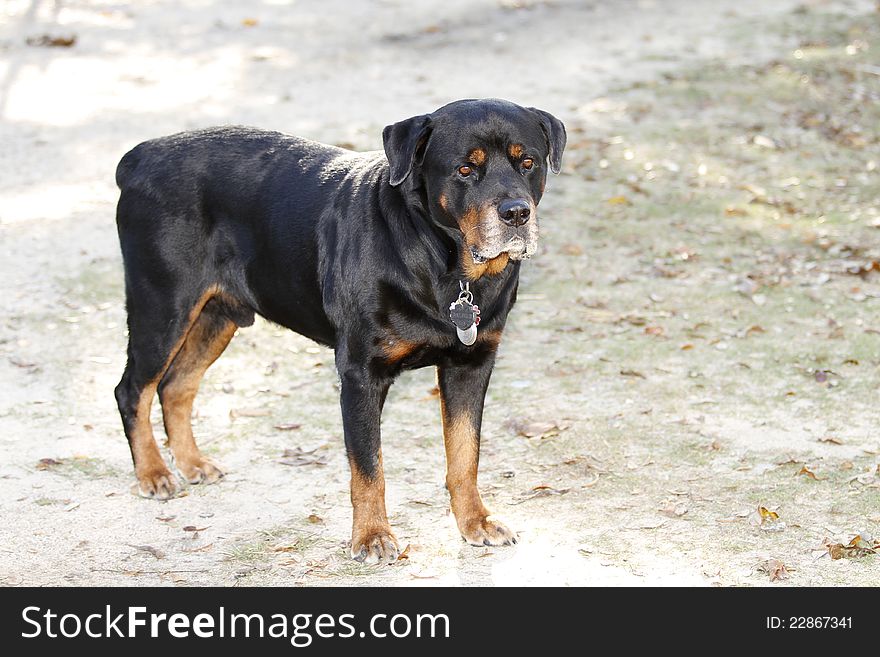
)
(465, 315)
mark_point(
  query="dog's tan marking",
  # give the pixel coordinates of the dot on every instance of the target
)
(372, 540)
(206, 340)
(396, 349)
(491, 338)
(443, 201)
(462, 461)
(470, 227)
(477, 156)
(154, 478)
(469, 224)
(515, 151)
(474, 270)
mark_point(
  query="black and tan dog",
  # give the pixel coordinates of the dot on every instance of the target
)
(364, 254)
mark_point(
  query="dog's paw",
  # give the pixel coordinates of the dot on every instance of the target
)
(486, 531)
(379, 546)
(200, 471)
(157, 484)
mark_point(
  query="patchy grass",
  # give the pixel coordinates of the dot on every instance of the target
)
(87, 467)
(256, 552)
(272, 545)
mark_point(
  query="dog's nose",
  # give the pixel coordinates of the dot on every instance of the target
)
(514, 212)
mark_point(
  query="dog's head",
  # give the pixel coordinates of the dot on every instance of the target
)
(482, 165)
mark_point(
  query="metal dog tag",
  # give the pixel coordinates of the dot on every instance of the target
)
(467, 337)
(465, 315)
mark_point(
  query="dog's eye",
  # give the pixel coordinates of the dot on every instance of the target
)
(528, 163)
(465, 170)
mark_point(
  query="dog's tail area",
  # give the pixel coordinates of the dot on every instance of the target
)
(127, 166)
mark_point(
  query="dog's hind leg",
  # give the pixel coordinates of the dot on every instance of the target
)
(158, 324)
(209, 335)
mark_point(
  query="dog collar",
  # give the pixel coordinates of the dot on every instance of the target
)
(465, 315)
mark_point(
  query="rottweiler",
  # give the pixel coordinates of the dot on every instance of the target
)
(396, 260)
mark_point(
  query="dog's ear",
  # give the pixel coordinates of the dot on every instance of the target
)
(404, 141)
(554, 130)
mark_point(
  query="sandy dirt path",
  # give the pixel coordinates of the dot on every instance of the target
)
(619, 461)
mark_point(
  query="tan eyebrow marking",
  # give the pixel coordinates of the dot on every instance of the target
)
(477, 156)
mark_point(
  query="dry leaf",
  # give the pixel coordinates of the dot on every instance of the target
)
(299, 456)
(316, 519)
(633, 373)
(774, 568)
(836, 550)
(619, 200)
(858, 543)
(651, 524)
(867, 478)
(675, 508)
(247, 412)
(766, 519)
(759, 194)
(48, 41)
(45, 464)
(203, 548)
(426, 573)
(286, 548)
(156, 552)
(542, 490)
(830, 439)
(859, 546)
(805, 471)
(290, 426)
(536, 428)
(767, 514)
(23, 364)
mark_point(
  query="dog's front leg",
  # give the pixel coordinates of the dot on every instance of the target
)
(462, 392)
(363, 396)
